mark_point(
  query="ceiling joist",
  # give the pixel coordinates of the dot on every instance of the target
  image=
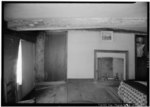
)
(75, 23)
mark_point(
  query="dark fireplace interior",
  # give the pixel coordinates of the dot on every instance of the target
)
(110, 68)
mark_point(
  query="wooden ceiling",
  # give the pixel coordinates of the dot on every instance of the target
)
(53, 16)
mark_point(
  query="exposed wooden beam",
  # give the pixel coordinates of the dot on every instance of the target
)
(75, 23)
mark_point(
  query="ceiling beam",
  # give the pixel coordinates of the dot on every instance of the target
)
(75, 23)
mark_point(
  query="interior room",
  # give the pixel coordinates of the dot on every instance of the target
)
(75, 53)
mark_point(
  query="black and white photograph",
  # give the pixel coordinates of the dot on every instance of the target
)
(75, 53)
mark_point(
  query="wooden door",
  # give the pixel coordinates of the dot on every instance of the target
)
(55, 58)
(141, 72)
(28, 61)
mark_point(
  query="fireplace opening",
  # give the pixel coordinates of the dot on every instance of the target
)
(111, 65)
(110, 68)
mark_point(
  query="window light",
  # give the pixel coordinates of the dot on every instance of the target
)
(19, 65)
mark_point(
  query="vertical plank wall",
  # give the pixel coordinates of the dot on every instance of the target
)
(10, 49)
(55, 58)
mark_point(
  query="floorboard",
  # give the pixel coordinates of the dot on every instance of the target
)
(78, 91)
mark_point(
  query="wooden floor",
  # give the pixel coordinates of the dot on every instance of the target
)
(78, 91)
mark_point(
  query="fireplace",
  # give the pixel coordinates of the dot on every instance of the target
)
(111, 65)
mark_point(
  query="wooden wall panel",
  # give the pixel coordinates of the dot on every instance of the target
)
(10, 49)
(55, 56)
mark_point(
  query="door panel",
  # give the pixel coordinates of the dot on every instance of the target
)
(28, 61)
(55, 56)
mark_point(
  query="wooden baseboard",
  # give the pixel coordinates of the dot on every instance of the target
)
(70, 79)
(51, 83)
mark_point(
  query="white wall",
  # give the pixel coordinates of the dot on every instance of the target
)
(81, 46)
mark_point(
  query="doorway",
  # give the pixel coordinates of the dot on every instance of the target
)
(55, 56)
(25, 68)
